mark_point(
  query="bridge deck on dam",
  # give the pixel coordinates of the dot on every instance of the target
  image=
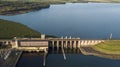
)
(44, 43)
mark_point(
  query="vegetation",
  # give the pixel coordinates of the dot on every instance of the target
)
(109, 47)
(64, 1)
(9, 29)
(108, 1)
(11, 8)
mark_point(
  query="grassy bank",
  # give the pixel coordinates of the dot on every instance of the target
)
(109, 47)
(9, 29)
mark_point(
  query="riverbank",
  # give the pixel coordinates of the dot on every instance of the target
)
(108, 47)
(66, 1)
(14, 7)
(89, 50)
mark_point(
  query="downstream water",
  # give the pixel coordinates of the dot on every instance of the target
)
(85, 20)
(74, 59)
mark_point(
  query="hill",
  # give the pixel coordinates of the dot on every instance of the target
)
(9, 29)
(15, 7)
(61, 1)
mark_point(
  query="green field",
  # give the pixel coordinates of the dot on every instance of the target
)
(109, 47)
(9, 29)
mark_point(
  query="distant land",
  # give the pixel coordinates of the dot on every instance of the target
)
(60, 1)
(10, 29)
(13, 7)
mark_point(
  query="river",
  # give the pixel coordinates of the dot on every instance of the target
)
(74, 58)
(84, 20)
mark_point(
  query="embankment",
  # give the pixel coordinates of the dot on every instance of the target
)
(89, 50)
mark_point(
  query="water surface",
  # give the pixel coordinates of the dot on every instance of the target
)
(74, 58)
(85, 20)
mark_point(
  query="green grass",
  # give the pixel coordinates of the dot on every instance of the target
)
(109, 47)
(9, 29)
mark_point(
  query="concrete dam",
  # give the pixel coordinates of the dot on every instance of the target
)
(42, 44)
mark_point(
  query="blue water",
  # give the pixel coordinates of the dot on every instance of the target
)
(73, 59)
(84, 20)
(79, 60)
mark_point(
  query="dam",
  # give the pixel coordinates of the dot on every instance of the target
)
(43, 44)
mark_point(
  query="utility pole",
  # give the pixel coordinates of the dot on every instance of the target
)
(110, 36)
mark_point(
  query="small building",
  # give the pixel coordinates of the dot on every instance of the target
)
(34, 44)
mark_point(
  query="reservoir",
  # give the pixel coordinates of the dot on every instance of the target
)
(84, 20)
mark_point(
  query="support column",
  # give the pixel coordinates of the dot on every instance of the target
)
(57, 45)
(74, 45)
(66, 43)
(6, 43)
(15, 44)
(70, 44)
(79, 44)
(52, 44)
(62, 44)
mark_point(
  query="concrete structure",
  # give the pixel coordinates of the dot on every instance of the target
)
(30, 45)
(38, 44)
(71, 42)
(42, 44)
(43, 36)
(5, 42)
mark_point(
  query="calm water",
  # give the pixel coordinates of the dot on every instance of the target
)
(85, 20)
(74, 59)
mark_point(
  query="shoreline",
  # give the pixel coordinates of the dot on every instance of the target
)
(37, 6)
(89, 50)
(14, 7)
